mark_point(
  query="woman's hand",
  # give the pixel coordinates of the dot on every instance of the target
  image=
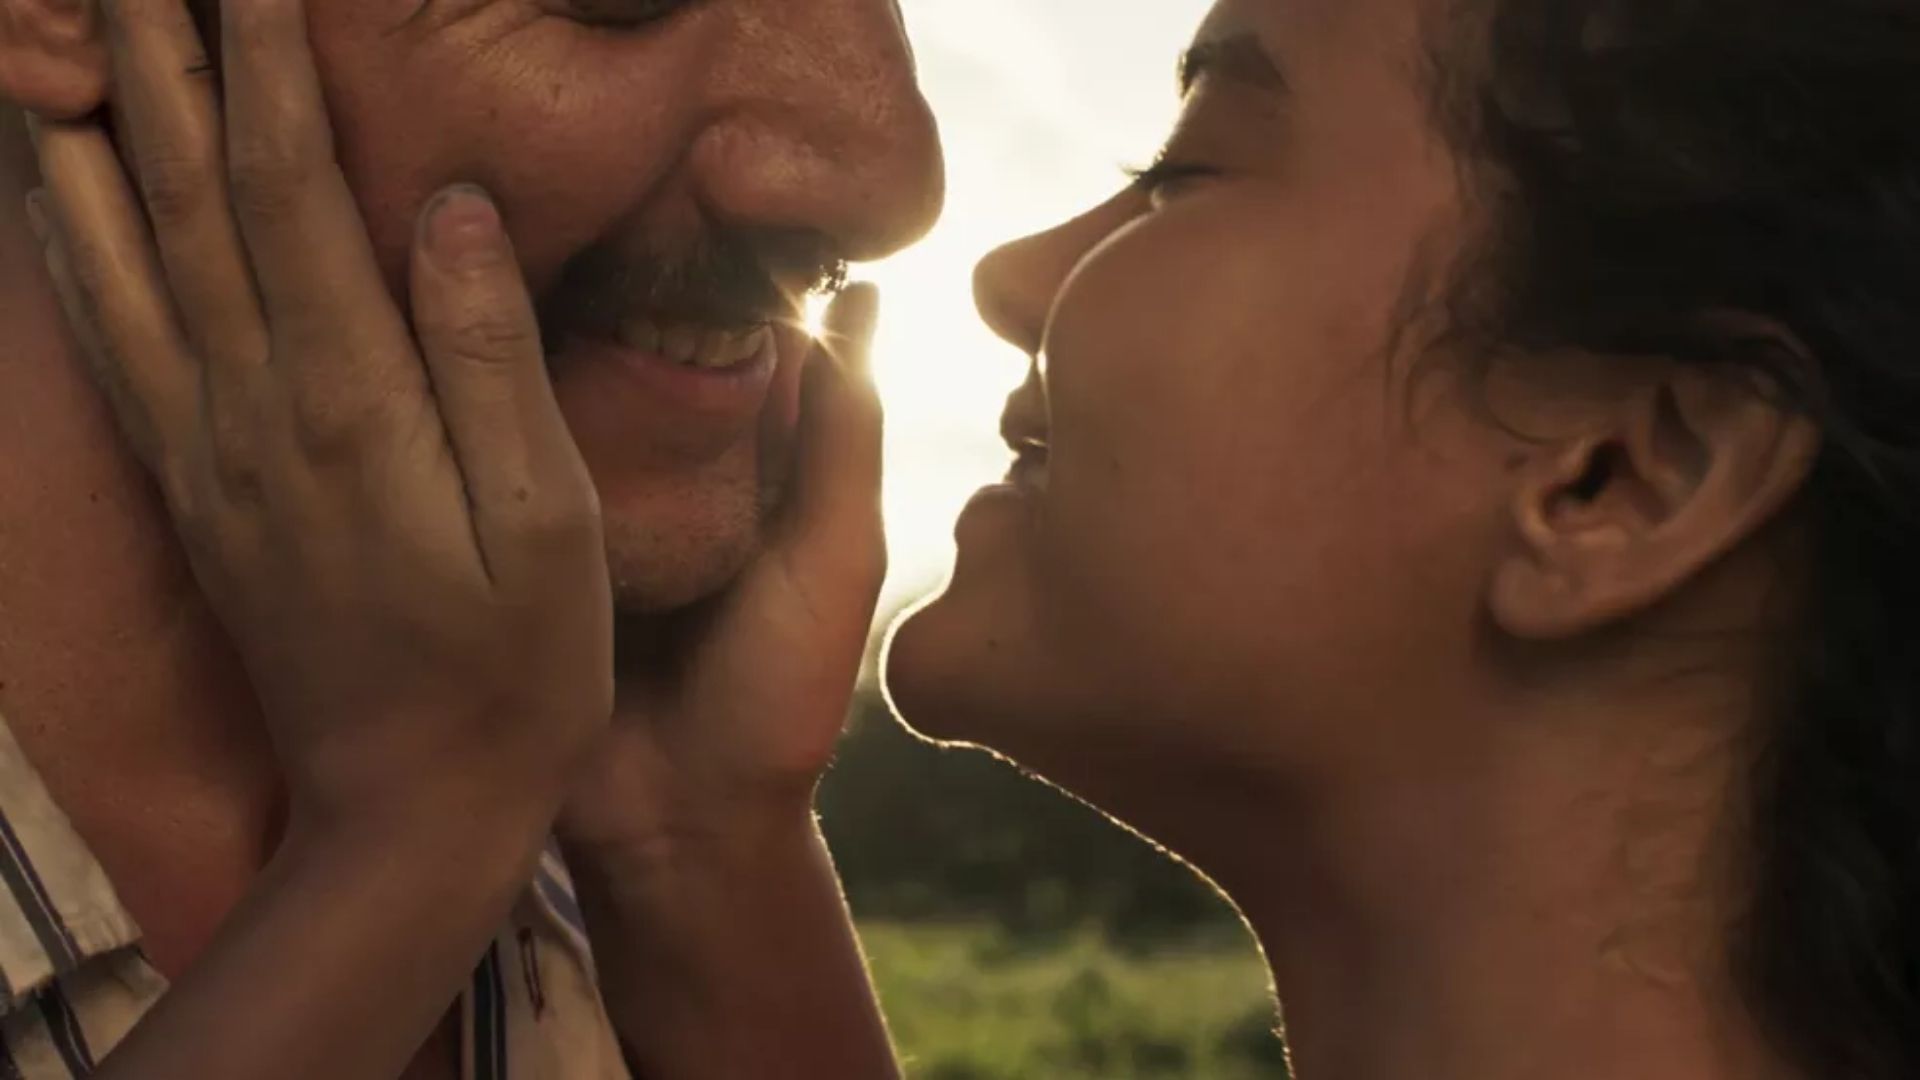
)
(401, 539)
(710, 897)
(725, 722)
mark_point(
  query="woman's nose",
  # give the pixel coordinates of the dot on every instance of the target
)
(1015, 286)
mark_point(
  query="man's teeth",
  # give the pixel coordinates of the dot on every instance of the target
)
(696, 346)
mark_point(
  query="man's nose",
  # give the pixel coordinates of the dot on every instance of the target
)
(1016, 285)
(820, 127)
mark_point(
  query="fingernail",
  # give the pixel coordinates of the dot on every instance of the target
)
(463, 226)
(37, 214)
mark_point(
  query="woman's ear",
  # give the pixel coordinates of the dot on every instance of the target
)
(53, 58)
(1671, 479)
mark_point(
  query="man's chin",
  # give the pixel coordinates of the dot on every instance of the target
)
(656, 575)
(676, 536)
(653, 586)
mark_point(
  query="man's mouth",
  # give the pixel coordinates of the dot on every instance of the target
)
(686, 390)
(691, 345)
(688, 357)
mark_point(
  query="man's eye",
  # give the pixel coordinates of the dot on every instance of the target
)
(626, 14)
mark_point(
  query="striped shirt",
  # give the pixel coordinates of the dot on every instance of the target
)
(73, 980)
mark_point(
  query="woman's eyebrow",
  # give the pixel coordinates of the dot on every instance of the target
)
(1241, 57)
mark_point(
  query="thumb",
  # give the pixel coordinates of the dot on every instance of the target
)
(526, 484)
(833, 511)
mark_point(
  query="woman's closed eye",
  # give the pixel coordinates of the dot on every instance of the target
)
(1169, 176)
(626, 14)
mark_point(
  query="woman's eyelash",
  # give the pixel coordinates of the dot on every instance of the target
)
(1166, 171)
(626, 14)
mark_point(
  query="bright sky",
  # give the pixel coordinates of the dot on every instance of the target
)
(1041, 104)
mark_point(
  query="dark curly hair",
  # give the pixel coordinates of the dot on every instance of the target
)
(1643, 169)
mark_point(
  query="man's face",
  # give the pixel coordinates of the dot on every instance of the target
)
(676, 175)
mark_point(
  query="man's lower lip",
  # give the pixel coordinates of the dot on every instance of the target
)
(735, 392)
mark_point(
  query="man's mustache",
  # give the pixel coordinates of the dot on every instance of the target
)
(731, 280)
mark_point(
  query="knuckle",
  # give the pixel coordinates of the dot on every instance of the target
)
(489, 340)
(327, 430)
(204, 516)
(176, 183)
(236, 462)
(88, 272)
(219, 542)
(241, 483)
(267, 174)
(326, 420)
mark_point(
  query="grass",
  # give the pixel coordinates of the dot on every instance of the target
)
(969, 1001)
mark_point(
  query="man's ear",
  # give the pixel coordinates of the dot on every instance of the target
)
(1672, 478)
(53, 57)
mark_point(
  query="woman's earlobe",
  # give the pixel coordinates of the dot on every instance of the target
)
(1534, 601)
(53, 58)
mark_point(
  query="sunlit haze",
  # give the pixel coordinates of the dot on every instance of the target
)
(1041, 104)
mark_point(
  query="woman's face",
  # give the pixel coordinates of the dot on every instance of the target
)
(1223, 513)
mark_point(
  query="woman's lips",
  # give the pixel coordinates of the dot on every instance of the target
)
(1026, 482)
(1029, 470)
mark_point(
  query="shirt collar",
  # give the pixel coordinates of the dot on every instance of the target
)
(58, 910)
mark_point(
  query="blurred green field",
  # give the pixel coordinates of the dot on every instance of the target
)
(973, 1002)
(1016, 934)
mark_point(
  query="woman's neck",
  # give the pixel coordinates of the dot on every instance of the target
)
(1530, 903)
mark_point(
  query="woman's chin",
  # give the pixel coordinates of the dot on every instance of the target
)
(947, 674)
(917, 669)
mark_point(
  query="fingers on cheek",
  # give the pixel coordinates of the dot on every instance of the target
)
(195, 475)
(72, 279)
(277, 135)
(173, 467)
